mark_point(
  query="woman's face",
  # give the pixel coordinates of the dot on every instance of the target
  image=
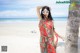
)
(45, 12)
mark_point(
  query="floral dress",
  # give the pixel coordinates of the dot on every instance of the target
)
(46, 36)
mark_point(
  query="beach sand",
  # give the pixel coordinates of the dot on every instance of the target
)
(23, 37)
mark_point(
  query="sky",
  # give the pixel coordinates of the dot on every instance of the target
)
(27, 8)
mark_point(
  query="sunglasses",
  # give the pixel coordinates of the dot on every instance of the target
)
(45, 12)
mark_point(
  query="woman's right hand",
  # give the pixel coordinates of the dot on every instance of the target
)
(39, 7)
(55, 46)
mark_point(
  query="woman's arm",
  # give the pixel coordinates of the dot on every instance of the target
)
(58, 35)
(38, 11)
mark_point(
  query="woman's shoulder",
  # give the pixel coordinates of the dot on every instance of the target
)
(51, 21)
(41, 20)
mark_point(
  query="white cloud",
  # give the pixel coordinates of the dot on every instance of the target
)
(59, 14)
(14, 13)
(30, 13)
(57, 10)
(35, 1)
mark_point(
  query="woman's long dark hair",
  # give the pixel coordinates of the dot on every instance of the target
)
(49, 15)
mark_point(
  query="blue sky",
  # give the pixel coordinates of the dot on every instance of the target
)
(27, 8)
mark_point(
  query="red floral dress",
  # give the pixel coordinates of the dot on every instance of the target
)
(46, 36)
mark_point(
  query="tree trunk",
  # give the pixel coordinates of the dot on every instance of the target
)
(72, 31)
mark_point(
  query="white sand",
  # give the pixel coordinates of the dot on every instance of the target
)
(23, 37)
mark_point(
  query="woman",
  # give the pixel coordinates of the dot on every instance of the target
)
(46, 27)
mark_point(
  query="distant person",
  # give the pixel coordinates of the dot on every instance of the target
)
(46, 27)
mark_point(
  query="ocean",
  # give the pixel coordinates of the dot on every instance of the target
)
(33, 19)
